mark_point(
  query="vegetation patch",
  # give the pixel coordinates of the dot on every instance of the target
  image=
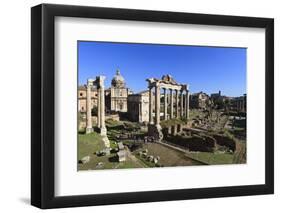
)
(212, 158)
(171, 122)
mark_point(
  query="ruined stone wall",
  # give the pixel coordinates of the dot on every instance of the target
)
(193, 143)
(223, 140)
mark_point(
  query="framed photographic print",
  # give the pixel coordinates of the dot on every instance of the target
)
(140, 106)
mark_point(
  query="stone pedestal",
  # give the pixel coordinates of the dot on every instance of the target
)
(106, 142)
(180, 128)
(103, 131)
(89, 130)
(174, 130)
(155, 131)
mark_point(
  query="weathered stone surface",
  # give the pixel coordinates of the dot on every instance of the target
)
(89, 128)
(155, 160)
(122, 155)
(85, 159)
(120, 146)
(100, 165)
(165, 105)
(155, 131)
(171, 104)
(106, 141)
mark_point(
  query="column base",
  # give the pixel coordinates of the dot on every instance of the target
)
(89, 130)
(187, 115)
(155, 131)
(103, 131)
(106, 143)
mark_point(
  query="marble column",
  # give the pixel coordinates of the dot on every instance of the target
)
(177, 103)
(100, 80)
(89, 127)
(140, 113)
(165, 104)
(150, 105)
(172, 104)
(98, 115)
(187, 105)
(181, 103)
(157, 105)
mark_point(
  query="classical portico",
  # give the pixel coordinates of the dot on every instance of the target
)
(178, 103)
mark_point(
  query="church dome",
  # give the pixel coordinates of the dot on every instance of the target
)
(118, 80)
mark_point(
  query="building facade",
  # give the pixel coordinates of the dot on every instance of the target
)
(117, 98)
(138, 107)
(82, 98)
(239, 103)
(199, 100)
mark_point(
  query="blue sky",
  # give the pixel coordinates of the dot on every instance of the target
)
(207, 69)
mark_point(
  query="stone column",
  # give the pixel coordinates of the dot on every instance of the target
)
(187, 105)
(150, 105)
(239, 104)
(140, 112)
(89, 127)
(177, 103)
(157, 105)
(181, 104)
(245, 103)
(172, 104)
(100, 80)
(165, 104)
(98, 115)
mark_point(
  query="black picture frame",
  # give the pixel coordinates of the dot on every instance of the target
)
(43, 102)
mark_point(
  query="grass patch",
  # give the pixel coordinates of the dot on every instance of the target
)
(195, 113)
(212, 158)
(113, 123)
(171, 122)
(88, 144)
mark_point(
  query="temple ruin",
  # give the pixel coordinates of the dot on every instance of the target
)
(178, 102)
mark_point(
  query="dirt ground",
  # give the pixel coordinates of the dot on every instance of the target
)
(168, 156)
